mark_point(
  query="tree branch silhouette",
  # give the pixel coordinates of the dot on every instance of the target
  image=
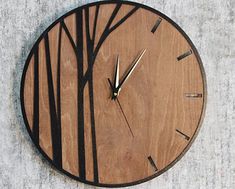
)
(87, 77)
(107, 31)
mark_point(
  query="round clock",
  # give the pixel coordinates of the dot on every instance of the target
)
(113, 93)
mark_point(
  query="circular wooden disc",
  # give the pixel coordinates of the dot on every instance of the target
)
(65, 94)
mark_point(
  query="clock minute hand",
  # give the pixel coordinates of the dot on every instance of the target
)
(135, 63)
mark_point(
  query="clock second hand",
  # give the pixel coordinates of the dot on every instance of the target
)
(120, 106)
(125, 117)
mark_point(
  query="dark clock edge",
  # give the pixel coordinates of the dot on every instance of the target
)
(192, 138)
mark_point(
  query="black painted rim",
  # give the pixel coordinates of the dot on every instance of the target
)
(199, 122)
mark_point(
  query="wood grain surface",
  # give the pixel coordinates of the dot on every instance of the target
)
(163, 99)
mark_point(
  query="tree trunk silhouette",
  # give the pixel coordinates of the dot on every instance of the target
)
(82, 80)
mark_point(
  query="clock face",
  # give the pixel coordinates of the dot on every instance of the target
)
(113, 93)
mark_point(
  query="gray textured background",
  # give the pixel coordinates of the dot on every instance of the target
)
(209, 164)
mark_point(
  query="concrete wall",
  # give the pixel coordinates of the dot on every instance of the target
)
(209, 164)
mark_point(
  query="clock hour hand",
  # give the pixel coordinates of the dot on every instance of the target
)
(116, 80)
(135, 63)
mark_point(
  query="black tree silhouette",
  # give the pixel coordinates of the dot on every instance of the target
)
(82, 80)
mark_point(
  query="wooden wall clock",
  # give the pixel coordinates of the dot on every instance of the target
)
(113, 93)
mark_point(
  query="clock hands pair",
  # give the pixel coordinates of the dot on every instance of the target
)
(116, 88)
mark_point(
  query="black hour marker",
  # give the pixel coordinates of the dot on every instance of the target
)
(184, 55)
(193, 95)
(184, 135)
(158, 22)
(152, 163)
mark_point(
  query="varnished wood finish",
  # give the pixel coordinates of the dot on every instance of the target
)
(81, 130)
